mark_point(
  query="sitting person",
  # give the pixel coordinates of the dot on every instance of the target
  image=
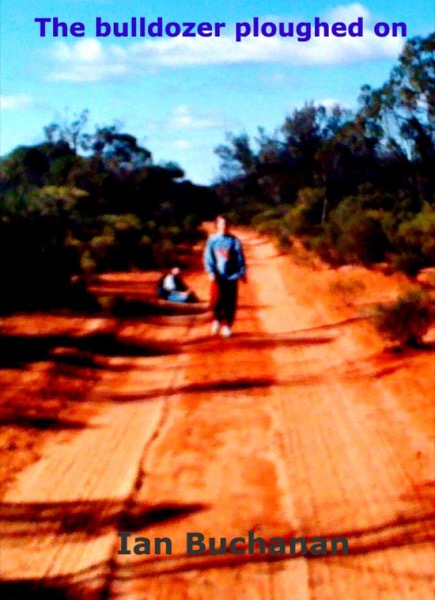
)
(172, 287)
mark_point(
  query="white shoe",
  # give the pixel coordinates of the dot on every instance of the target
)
(226, 331)
(215, 326)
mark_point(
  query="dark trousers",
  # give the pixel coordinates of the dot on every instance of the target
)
(224, 300)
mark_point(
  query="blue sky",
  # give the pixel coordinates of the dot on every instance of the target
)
(177, 95)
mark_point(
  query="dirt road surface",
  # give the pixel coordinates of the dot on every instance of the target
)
(298, 426)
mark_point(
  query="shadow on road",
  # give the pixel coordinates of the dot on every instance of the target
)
(221, 385)
(88, 517)
(18, 350)
(257, 341)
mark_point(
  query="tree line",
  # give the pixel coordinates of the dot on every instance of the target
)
(80, 203)
(355, 186)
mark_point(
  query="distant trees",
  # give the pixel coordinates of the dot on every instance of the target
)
(82, 202)
(355, 186)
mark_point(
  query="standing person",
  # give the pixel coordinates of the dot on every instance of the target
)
(225, 263)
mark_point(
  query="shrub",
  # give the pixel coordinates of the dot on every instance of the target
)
(363, 240)
(324, 248)
(87, 263)
(347, 289)
(406, 320)
(270, 214)
(310, 202)
(164, 252)
(284, 240)
(144, 253)
(407, 262)
(415, 241)
(297, 220)
(272, 226)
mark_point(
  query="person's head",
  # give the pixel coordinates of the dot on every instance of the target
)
(175, 269)
(222, 224)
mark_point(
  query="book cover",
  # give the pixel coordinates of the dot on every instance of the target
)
(202, 407)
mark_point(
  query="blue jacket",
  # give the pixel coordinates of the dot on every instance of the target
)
(223, 256)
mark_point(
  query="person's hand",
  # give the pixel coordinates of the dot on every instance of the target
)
(212, 276)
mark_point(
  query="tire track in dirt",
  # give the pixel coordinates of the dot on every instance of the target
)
(267, 432)
(217, 449)
(306, 474)
(60, 518)
(356, 475)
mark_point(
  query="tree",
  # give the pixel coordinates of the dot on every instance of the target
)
(70, 133)
(405, 109)
(237, 156)
(118, 150)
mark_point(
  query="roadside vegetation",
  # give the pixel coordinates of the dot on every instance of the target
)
(80, 203)
(353, 186)
(406, 320)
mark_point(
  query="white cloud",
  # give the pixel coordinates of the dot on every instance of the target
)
(87, 61)
(15, 102)
(278, 78)
(182, 144)
(183, 118)
(90, 60)
(347, 13)
(90, 51)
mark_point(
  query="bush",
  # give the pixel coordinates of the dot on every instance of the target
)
(414, 242)
(406, 320)
(87, 264)
(324, 248)
(271, 227)
(347, 289)
(363, 240)
(407, 262)
(144, 252)
(164, 252)
(310, 204)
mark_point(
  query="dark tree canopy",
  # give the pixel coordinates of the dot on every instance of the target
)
(83, 202)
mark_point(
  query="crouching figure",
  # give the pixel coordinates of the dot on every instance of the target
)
(172, 287)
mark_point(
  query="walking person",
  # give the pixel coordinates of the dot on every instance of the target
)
(224, 261)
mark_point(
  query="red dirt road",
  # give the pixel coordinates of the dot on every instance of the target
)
(298, 426)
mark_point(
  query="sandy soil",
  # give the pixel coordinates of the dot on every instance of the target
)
(300, 425)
